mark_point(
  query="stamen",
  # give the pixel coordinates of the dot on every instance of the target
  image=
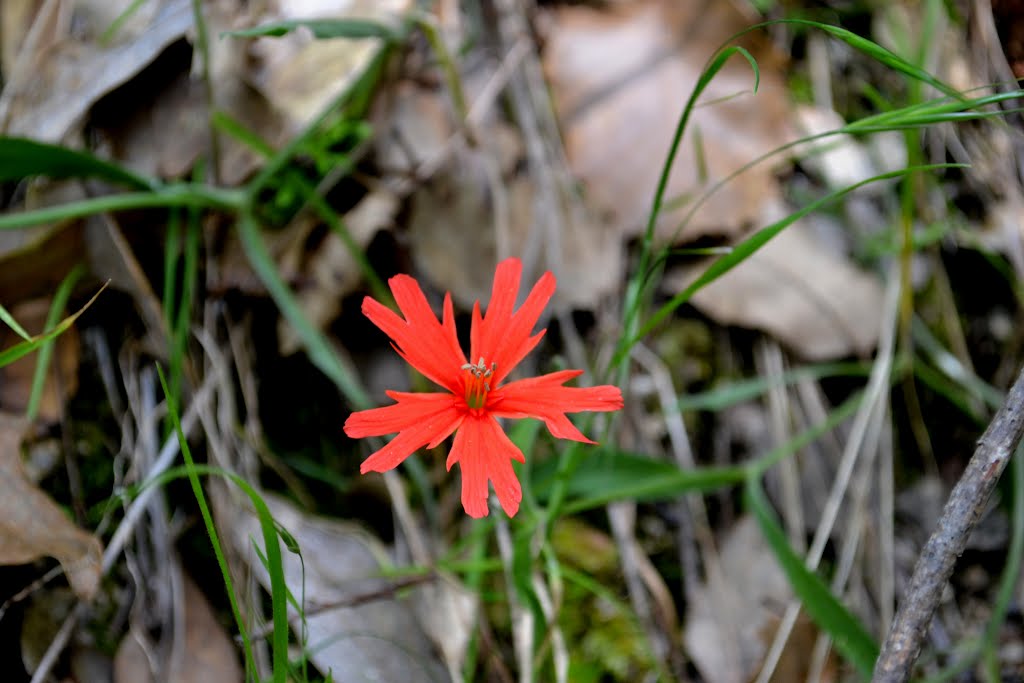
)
(477, 385)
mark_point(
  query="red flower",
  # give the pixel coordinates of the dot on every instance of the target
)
(475, 395)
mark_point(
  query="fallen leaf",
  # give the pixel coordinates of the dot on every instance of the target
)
(478, 207)
(350, 637)
(32, 525)
(733, 618)
(208, 653)
(34, 260)
(620, 77)
(54, 82)
(300, 75)
(798, 291)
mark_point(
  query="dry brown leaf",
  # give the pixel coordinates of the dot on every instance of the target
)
(56, 79)
(842, 160)
(476, 208)
(16, 378)
(208, 653)
(167, 127)
(620, 78)
(33, 526)
(36, 266)
(733, 619)
(798, 291)
(34, 261)
(378, 639)
(299, 75)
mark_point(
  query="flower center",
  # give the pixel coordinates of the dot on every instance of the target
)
(477, 385)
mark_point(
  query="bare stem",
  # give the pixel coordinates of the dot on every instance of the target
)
(964, 508)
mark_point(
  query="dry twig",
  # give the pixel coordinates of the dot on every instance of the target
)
(964, 508)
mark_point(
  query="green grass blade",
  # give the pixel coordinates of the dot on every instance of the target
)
(272, 533)
(319, 350)
(637, 284)
(611, 475)
(22, 158)
(9, 355)
(185, 195)
(749, 246)
(868, 47)
(279, 590)
(741, 390)
(9, 320)
(849, 635)
(322, 29)
(60, 301)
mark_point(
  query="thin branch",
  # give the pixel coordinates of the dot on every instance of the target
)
(964, 508)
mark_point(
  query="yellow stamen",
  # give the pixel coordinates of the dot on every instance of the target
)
(477, 385)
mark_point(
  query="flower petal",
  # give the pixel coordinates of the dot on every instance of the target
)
(484, 452)
(501, 336)
(430, 346)
(419, 419)
(546, 399)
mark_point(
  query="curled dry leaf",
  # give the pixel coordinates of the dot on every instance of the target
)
(795, 289)
(32, 525)
(620, 78)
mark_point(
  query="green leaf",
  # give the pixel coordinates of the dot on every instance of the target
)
(752, 244)
(323, 29)
(737, 391)
(9, 320)
(611, 475)
(21, 158)
(317, 346)
(9, 355)
(269, 527)
(849, 635)
(60, 301)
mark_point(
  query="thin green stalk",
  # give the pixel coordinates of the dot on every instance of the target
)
(318, 348)
(203, 44)
(183, 195)
(211, 529)
(60, 302)
(315, 200)
(271, 532)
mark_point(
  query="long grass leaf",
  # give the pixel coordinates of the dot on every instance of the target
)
(752, 244)
(849, 635)
(196, 196)
(319, 350)
(8, 319)
(273, 552)
(22, 158)
(60, 301)
(9, 355)
(322, 29)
